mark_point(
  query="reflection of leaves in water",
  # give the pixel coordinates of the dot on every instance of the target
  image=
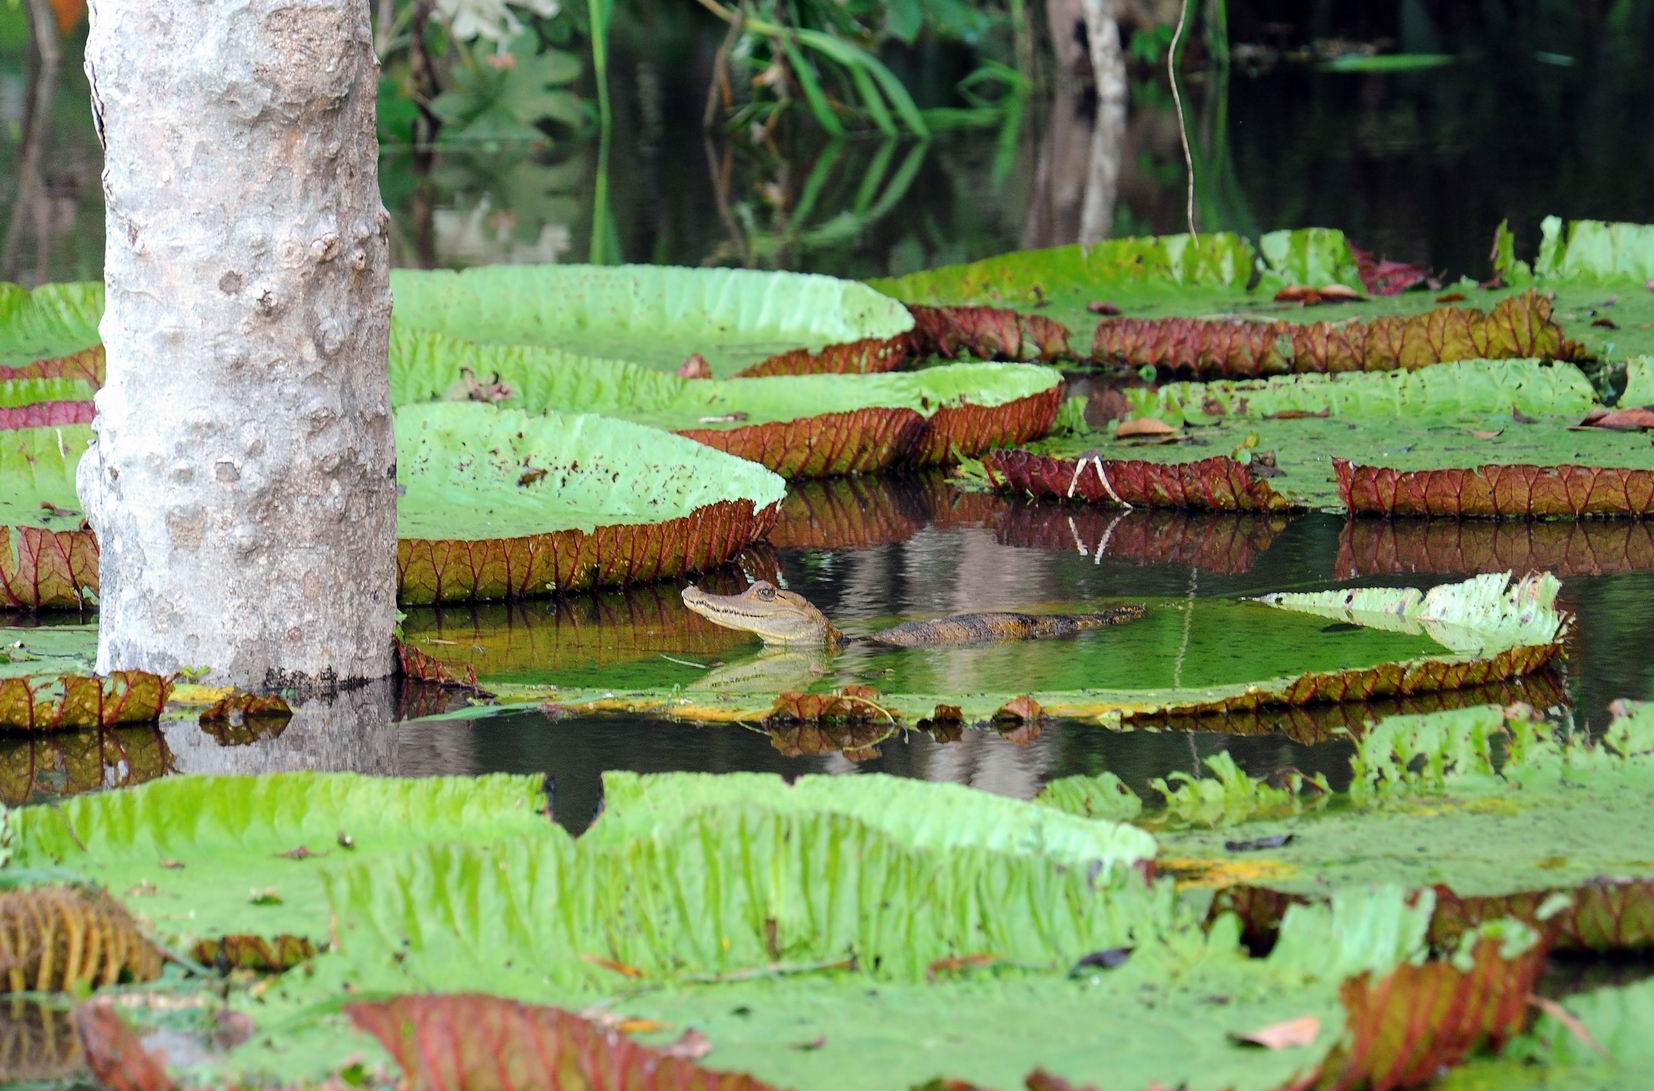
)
(503, 97)
(43, 767)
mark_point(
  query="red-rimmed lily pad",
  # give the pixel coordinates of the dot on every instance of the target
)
(497, 504)
(504, 504)
(735, 319)
(1272, 444)
(1497, 491)
(1219, 483)
(1518, 327)
(47, 683)
(798, 426)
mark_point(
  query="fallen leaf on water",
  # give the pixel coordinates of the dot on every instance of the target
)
(957, 963)
(1606, 323)
(695, 366)
(1020, 708)
(115, 1055)
(1298, 414)
(691, 1045)
(1382, 277)
(1619, 420)
(1103, 307)
(1287, 1035)
(610, 964)
(1144, 426)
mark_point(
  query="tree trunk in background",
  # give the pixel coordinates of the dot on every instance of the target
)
(242, 484)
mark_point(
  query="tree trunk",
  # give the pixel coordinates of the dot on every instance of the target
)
(242, 484)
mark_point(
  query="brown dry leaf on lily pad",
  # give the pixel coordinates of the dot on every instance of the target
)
(471, 1042)
(1288, 1035)
(694, 367)
(1146, 428)
(1620, 420)
(1327, 293)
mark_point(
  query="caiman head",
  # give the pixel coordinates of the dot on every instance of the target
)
(779, 617)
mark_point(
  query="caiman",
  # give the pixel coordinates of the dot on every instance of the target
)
(782, 617)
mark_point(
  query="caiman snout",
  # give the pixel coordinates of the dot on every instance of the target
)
(777, 616)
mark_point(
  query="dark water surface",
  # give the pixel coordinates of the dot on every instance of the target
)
(1420, 165)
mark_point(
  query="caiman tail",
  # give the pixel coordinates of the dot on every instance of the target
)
(982, 628)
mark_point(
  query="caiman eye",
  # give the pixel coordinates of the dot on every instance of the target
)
(764, 591)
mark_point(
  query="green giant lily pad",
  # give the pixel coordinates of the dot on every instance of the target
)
(657, 316)
(798, 426)
(50, 321)
(503, 504)
(496, 503)
(214, 857)
(1485, 805)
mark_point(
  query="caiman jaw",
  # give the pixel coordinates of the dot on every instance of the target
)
(778, 617)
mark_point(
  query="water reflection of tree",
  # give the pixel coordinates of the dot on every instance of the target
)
(52, 233)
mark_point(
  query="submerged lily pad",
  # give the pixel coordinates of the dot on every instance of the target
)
(502, 504)
(798, 426)
(736, 319)
(1187, 657)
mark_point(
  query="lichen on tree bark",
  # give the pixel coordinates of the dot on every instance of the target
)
(242, 483)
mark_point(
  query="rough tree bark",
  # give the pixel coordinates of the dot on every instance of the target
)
(242, 484)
